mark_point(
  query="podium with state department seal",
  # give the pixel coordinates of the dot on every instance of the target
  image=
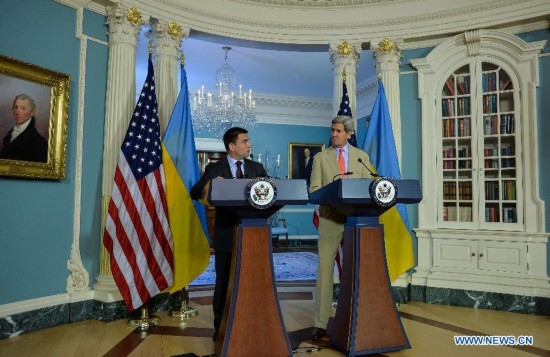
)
(252, 324)
(366, 320)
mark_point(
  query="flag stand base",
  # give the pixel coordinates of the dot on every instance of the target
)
(145, 321)
(186, 311)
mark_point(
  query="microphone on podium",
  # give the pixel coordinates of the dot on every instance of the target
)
(371, 173)
(344, 174)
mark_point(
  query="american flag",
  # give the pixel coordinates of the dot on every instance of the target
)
(345, 109)
(137, 234)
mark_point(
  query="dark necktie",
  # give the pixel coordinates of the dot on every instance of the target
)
(239, 169)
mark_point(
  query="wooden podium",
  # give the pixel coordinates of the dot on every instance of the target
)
(366, 320)
(252, 324)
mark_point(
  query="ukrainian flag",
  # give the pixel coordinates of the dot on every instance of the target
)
(380, 145)
(187, 217)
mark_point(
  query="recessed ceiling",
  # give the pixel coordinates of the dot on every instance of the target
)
(281, 46)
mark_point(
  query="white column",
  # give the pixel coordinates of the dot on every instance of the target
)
(124, 26)
(345, 55)
(387, 56)
(167, 39)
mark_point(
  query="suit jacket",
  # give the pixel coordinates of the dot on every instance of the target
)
(27, 146)
(225, 217)
(324, 171)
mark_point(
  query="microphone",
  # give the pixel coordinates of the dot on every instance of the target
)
(371, 173)
(344, 174)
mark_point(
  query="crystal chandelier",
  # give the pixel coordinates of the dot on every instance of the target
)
(216, 114)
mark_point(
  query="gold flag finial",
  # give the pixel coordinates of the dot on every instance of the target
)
(344, 74)
(182, 59)
(134, 16)
(150, 46)
(386, 45)
(345, 48)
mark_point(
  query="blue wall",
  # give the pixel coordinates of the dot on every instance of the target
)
(37, 216)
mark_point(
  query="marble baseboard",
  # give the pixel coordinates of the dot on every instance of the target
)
(401, 294)
(25, 322)
(39, 319)
(482, 300)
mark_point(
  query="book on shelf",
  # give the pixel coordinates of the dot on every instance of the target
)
(465, 213)
(449, 213)
(461, 87)
(506, 84)
(450, 86)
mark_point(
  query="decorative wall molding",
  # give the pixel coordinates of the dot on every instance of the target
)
(365, 21)
(293, 110)
(522, 22)
(322, 3)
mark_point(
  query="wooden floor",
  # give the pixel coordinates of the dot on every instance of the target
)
(430, 329)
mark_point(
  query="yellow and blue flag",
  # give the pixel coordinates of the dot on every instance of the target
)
(380, 145)
(187, 217)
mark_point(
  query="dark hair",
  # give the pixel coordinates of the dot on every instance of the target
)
(231, 136)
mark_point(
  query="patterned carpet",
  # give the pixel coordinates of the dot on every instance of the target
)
(288, 267)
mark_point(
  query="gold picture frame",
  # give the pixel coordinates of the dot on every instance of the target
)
(49, 91)
(297, 168)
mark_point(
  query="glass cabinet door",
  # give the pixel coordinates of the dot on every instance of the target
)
(499, 201)
(478, 162)
(456, 132)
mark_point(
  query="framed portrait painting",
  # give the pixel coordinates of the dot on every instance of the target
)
(34, 104)
(300, 155)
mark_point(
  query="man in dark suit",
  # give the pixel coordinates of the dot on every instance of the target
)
(23, 141)
(236, 165)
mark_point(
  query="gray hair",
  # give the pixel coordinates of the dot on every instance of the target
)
(32, 104)
(345, 120)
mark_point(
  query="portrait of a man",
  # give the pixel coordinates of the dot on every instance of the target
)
(24, 120)
(34, 111)
(23, 142)
(301, 158)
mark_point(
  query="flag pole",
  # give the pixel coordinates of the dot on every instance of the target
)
(145, 321)
(185, 311)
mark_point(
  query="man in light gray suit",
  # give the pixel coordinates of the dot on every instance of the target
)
(344, 161)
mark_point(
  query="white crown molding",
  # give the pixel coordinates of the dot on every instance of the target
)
(321, 3)
(287, 110)
(367, 22)
(527, 26)
(292, 110)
